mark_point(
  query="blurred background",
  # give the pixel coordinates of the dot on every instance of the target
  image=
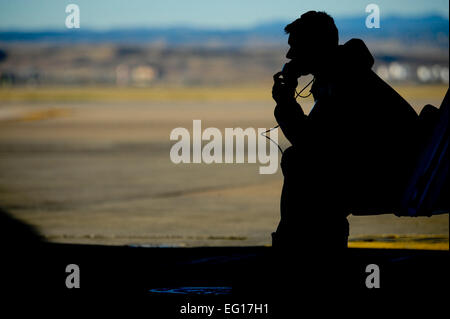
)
(86, 114)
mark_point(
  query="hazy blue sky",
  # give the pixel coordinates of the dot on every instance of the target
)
(107, 14)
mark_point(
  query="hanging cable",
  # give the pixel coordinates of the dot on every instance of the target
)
(297, 94)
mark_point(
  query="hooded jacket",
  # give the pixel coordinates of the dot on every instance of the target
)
(357, 141)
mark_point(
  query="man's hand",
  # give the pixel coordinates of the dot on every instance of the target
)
(283, 91)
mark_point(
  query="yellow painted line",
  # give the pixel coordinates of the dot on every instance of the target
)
(71, 94)
(399, 245)
(258, 92)
(43, 114)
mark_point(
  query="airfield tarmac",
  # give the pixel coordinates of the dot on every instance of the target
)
(93, 170)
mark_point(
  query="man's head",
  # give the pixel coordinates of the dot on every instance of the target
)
(313, 38)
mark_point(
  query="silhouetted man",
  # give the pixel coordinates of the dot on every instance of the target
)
(350, 152)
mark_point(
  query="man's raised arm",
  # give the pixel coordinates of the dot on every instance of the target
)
(292, 120)
(288, 113)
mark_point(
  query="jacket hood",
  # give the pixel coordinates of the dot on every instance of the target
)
(352, 58)
(355, 55)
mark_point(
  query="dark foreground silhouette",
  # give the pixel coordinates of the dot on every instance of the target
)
(164, 279)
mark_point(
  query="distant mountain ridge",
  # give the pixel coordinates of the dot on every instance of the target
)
(428, 29)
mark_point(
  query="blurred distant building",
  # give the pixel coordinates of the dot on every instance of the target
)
(435, 73)
(143, 75)
(398, 72)
(401, 72)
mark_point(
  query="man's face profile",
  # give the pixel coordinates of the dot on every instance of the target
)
(300, 57)
(292, 52)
